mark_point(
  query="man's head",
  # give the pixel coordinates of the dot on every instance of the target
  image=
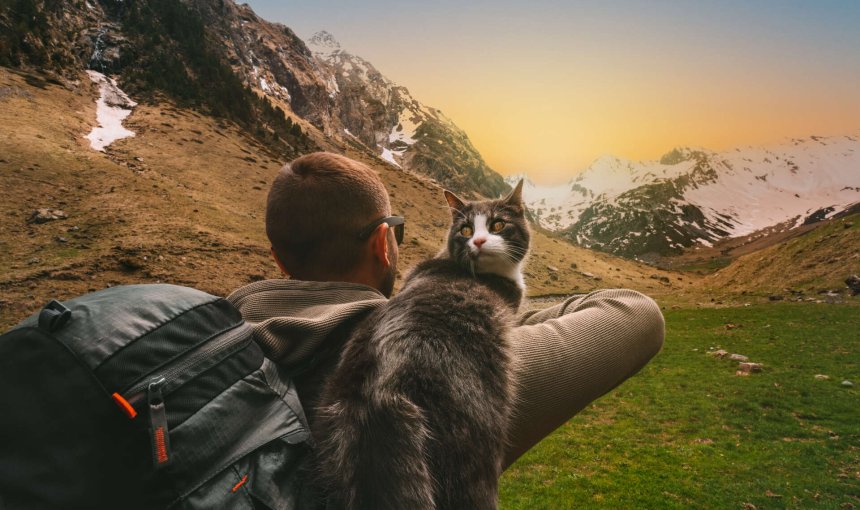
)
(317, 207)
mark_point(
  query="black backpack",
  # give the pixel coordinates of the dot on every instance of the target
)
(145, 396)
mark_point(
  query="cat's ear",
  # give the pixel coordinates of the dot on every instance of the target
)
(454, 201)
(515, 198)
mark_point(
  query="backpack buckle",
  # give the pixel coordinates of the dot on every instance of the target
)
(54, 316)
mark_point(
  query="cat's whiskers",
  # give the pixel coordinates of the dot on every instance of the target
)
(513, 253)
(466, 260)
(514, 262)
(512, 250)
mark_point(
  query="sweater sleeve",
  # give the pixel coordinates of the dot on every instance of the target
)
(532, 317)
(570, 354)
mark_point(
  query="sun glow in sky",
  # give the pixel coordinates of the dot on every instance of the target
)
(547, 86)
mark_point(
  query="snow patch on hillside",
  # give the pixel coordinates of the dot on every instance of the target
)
(112, 107)
(404, 130)
(272, 88)
(387, 155)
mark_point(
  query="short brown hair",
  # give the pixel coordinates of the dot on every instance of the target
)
(316, 208)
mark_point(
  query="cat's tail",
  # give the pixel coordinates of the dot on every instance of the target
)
(374, 455)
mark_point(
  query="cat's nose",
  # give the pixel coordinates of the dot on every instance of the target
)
(479, 241)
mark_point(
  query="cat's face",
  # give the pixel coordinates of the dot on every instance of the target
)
(489, 236)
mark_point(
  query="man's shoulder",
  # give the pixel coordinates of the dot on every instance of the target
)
(292, 318)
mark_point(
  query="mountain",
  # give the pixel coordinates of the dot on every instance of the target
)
(346, 98)
(699, 197)
(223, 59)
(138, 139)
(384, 116)
(156, 49)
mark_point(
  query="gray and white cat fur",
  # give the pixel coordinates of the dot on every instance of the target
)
(415, 416)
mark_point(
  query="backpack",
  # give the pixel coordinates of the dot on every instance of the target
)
(145, 396)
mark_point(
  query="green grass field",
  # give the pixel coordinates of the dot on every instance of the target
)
(686, 432)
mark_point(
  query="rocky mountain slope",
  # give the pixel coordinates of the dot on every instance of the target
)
(383, 115)
(346, 98)
(223, 59)
(696, 196)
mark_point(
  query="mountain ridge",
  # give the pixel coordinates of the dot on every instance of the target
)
(698, 196)
(408, 134)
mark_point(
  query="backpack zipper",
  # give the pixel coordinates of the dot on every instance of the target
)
(158, 433)
(171, 376)
(212, 351)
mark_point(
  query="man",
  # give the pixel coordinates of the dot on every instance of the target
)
(329, 222)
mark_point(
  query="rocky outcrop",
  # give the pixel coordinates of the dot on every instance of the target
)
(853, 283)
(45, 215)
(386, 118)
(271, 58)
(54, 37)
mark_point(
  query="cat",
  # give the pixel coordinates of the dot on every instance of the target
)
(415, 415)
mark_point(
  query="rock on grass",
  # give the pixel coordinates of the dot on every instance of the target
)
(750, 367)
(45, 215)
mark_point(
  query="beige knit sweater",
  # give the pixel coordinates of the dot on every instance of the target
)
(566, 356)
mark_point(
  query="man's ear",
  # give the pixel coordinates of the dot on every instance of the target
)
(278, 262)
(380, 244)
(454, 202)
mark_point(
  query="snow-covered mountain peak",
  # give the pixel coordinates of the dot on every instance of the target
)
(681, 154)
(697, 195)
(512, 180)
(608, 161)
(323, 42)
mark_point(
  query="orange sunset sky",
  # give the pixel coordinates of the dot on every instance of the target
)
(545, 87)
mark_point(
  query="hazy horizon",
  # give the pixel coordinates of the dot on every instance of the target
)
(547, 87)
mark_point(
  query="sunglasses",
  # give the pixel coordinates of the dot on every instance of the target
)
(393, 221)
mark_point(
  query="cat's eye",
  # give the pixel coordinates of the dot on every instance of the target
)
(497, 226)
(466, 231)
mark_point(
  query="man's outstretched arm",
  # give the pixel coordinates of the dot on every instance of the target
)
(568, 355)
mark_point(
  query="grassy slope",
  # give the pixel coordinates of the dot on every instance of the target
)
(820, 259)
(183, 202)
(688, 433)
